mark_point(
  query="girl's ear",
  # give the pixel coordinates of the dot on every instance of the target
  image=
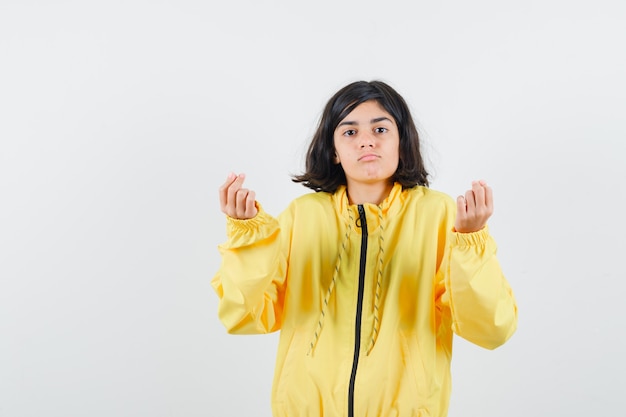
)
(336, 159)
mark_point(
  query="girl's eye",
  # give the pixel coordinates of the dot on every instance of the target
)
(381, 130)
(350, 132)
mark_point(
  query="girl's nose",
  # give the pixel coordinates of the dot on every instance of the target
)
(367, 140)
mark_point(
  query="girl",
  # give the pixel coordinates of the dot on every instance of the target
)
(367, 278)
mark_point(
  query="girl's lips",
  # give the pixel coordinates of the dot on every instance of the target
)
(368, 157)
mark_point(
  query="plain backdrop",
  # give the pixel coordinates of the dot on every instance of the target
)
(119, 120)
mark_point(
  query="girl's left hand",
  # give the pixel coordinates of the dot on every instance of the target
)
(474, 209)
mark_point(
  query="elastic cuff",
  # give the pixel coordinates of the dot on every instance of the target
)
(247, 232)
(234, 225)
(470, 239)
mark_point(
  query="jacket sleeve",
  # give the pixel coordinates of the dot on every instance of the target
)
(251, 278)
(481, 303)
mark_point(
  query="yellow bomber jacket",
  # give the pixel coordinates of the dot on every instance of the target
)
(366, 297)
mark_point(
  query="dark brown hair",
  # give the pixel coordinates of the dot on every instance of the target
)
(323, 174)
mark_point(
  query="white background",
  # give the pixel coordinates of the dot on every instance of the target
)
(120, 119)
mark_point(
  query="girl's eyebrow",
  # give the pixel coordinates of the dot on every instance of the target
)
(353, 123)
(380, 119)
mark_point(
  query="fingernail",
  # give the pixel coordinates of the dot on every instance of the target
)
(231, 176)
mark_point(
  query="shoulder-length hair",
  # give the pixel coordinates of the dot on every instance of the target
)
(321, 171)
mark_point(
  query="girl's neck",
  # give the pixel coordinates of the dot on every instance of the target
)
(368, 193)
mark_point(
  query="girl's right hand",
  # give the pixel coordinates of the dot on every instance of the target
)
(237, 202)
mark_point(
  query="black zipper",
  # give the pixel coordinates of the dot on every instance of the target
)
(359, 310)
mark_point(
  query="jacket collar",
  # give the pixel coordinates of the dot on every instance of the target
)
(393, 200)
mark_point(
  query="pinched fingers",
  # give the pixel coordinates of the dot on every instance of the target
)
(475, 208)
(235, 201)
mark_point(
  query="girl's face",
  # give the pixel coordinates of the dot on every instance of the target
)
(367, 144)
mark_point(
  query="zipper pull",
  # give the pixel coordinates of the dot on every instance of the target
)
(361, 219)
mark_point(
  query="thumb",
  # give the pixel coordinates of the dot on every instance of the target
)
(461, 206)
(461, 210)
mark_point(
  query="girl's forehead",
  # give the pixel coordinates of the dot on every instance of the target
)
(366, 108)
